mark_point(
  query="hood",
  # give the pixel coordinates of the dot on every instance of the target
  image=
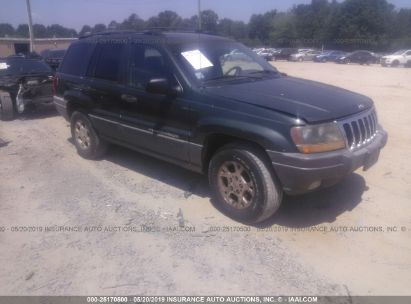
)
(309, 100)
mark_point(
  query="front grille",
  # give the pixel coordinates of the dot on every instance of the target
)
(361, 129)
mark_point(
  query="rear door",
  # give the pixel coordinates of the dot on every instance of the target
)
(104, 85)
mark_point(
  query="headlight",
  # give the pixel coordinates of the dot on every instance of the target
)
(318, 138)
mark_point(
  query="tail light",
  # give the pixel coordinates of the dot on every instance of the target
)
(55, 84)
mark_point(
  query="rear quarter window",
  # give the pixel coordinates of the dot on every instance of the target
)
(77, 58)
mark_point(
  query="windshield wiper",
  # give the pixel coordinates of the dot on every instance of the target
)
(265, 72)
(231, 77)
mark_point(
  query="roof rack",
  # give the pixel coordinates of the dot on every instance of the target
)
(147, 31)
(102, 33)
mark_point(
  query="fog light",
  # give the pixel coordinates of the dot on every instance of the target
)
(314, 185)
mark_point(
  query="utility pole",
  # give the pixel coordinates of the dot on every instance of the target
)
(199, 15)
(30, 26)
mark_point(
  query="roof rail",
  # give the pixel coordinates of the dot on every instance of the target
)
(148, 31)
(102, 33)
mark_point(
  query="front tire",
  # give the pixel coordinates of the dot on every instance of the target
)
(6, 106)
(89, 145)
(243, 184)
(395, 63)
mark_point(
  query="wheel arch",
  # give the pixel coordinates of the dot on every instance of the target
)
(214, 136)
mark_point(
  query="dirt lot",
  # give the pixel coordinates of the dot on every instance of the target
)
(43, 182)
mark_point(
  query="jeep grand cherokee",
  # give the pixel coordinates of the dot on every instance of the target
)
(179, 97)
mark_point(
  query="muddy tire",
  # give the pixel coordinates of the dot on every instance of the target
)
(243, 184)
(6, 106)
(89, 145)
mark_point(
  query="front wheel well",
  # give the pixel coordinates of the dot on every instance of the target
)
(73, 106)
(214, 142)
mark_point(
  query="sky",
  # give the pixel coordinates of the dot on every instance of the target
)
(76, 13)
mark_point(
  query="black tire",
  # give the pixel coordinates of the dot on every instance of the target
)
(263, 202)
(395, 63)
(89, 145)
(301, 59)
(6, 106)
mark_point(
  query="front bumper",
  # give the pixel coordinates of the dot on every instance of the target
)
(301, 173)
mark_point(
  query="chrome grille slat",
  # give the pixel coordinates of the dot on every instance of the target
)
(367, 128)
(360, 129)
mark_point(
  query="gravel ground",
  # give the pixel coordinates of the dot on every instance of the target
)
(304, 249)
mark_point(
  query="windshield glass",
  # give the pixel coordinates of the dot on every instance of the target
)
(19, 66)
(210, 62)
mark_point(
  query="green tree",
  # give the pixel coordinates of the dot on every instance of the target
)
(6, 29)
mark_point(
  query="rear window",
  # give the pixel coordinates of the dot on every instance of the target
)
(77, 58)
(19, 66)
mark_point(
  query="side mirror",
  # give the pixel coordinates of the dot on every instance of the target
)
(162, 86)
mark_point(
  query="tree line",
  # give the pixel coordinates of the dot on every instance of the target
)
(351, 24)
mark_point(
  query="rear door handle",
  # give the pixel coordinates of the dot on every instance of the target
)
(129, 98)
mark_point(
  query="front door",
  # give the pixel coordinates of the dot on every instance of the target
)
(165, 118)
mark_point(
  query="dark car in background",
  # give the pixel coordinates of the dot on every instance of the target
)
(328, 56)
(53, 57)
(284, 54)
(23, 82)
(254, 131)
(361, 57)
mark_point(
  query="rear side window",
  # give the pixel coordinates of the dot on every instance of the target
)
(77, 58)
(109, 63)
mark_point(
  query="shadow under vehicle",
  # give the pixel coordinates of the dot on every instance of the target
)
(24, 82)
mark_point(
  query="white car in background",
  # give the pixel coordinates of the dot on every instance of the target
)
(307, 55)
(401, 57)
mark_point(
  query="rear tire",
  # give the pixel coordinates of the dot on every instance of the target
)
(6, 106)
(243, 184)
(89, 145)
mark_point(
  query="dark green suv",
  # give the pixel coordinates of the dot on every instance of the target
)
(181, 97)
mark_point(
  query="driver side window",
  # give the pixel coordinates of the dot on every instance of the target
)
(146, 62)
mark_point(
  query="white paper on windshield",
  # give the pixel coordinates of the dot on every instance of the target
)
(3, 65)
(197, 59)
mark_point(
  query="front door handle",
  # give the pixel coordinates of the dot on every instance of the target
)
(129, 98)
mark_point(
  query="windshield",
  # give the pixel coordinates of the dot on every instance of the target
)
(210, 62)
(19, 66)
